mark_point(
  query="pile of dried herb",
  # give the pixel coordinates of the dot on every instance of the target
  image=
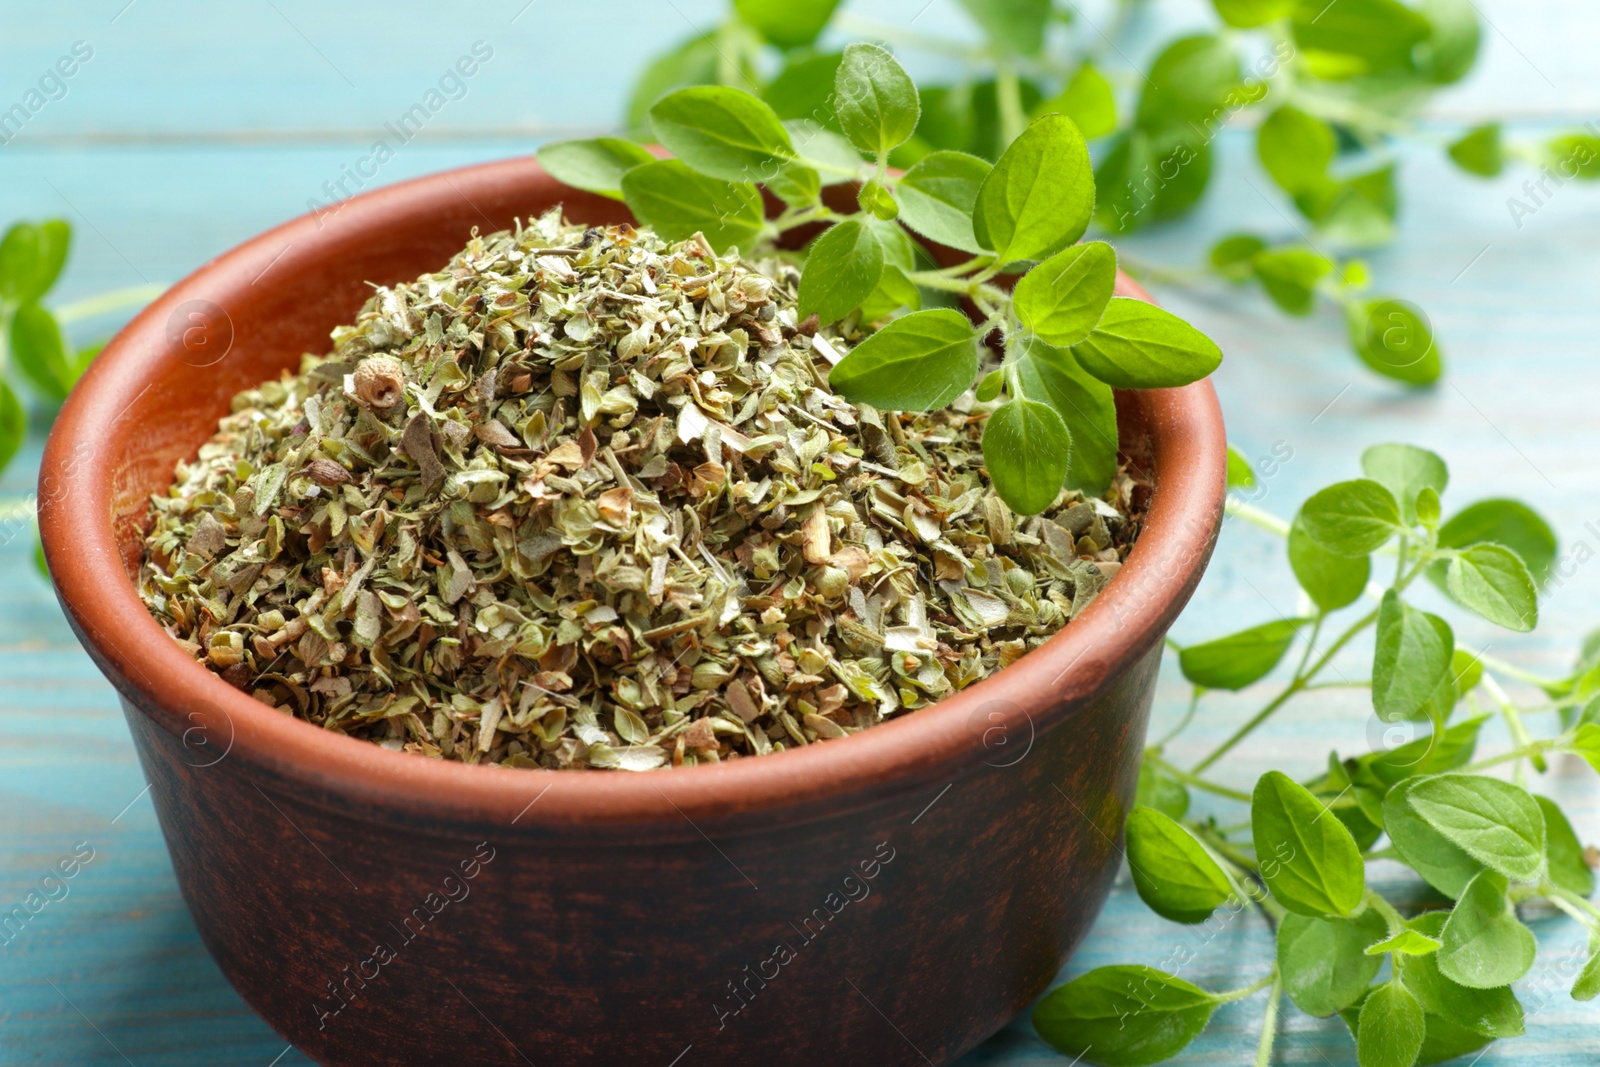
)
(583, 498)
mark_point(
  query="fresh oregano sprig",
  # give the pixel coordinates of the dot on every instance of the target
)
(1483, 844)
(1064, 339)
(1333, 90)
(35, 354)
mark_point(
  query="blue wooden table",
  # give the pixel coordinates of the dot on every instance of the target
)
(193, 126)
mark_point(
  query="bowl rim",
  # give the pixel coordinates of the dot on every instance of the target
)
(929, 747)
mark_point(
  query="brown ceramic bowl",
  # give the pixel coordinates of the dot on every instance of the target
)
(891, 898)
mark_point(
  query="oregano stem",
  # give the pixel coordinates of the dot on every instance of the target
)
(1197, 782)
(1377, 903)
(1301, 678)
(101, 303)
(1249, 990)
(1256, 516)
(1573, 904)
(1012, 119)
(1519, 732)
(1188, 716)
(1269, 1022)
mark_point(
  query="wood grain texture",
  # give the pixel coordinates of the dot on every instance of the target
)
(204, 126)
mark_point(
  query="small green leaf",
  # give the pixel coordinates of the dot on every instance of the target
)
(939, 194)
(596, 165)
(1140, 346)
(1354, 518)
(1504, 522)
(1160, 791)
(1062, 299)
(1410, 658)
(842, 269)
(1248, 14)
(1484, 944)
(1085, 403)
(876, 100)
(1587, 985)
(1296, 148)
(1452, 48)
(1040, 195)
(1478, 151)
(1289, 277)
(916, 363)
(1490, 1012)
(1392, 1028)
(1563, 851)
(1240, 473)
(877, 201)
(1444, 865)
(41, 352)
(1405, 943)
(1237, 660)
(787, 23)
(1308, 859)
(31, 258)
(1575, 155)
(1088, 101)
(1495, 822)
(678, 202)
(1027, 449)
(1017, 25)
(1493, 581)
(1587, 743)
(1232, 256)
(1172, 871)
(1405, 471)
(1123, 1016)
(1323, 963)
(722, 132)
(1190, 84)
(13, 425)
(1393, 340)
(1429, 754)
(1127, 191)
(1331, 581)
(1380, 34)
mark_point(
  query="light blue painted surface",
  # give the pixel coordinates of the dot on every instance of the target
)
(194, 127)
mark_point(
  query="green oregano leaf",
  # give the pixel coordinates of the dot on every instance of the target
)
(842, 270)
(1085, 403)
(1443, 864)
(1137, 345)
(1172, 871)
(1484, 945)
(1494, 822)
(595, 165)
(1331, 581)
(1504, 522)
(1354, 518)
(1411, 657)
(1479, 152)
(41, 351)
(1308, 859)
(13, 424)
(1489, 1012)
(1088, 100)
(1040, 195)
(1405, 471)
(1123, 1016)
(722, 132)
(875, 99)
(1391, 1029)
(1323, 961)
(678, 202)
(939, 194)
(1026, 448)
(1563, 850)
(1062, 299)
(1405, 943)
(787, 23)
(917, 363)
(1493, 581)
(1240, 659)
(1296, 149)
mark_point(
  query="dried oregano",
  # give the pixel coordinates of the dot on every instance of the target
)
(583, 498)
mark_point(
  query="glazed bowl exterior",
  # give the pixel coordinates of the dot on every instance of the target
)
(890, 898)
